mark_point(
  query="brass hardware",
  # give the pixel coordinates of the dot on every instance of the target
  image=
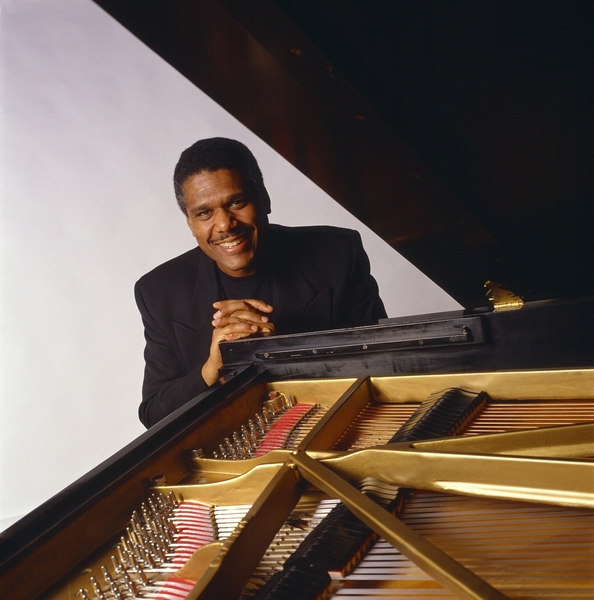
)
(502, 298)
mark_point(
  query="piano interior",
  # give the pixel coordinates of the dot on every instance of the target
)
(472, 485)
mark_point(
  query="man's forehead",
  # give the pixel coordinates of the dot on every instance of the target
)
(207, 182)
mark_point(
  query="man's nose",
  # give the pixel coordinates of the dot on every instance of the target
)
(224, 219)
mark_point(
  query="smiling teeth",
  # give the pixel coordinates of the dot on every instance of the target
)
(230, 244)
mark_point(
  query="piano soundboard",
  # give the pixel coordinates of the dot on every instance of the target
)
(425, 486)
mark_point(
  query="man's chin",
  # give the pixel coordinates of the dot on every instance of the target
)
(239, 268)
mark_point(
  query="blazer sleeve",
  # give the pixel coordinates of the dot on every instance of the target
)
(166, 385)
(363, 305)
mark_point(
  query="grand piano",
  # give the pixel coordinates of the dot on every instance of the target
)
(436, 456)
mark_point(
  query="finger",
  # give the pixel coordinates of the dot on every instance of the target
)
(260, 305)
(233, 331)
(230, 337)
(249, 327)
(266, 331)
(238, 327)
(266, 328)
(257, 304)
(244, 312)
(240, 334)
(240, 316)
(227, 307)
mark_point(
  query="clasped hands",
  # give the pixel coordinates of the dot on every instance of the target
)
(235, 319)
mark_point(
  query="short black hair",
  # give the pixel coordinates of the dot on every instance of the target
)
(212, 154)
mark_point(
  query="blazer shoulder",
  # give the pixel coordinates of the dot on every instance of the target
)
(178, 267)
(323, 254)
(172, 281)
(316, 237)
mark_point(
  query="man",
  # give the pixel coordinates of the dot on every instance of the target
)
(245, 278)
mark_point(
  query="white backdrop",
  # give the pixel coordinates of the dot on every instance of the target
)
(92, 123)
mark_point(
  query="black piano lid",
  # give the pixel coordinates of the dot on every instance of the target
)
(460, 132)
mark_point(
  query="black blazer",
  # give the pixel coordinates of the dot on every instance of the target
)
(320, 278)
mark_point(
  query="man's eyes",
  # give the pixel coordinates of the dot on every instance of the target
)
(238, 203)
(234, 204)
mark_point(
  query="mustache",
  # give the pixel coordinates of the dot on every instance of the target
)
(231, 234)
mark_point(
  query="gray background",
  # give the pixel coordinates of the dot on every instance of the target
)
(92, 123)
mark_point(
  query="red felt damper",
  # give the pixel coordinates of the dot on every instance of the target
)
(278, 434)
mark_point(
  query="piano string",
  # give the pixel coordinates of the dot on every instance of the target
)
(385, 571)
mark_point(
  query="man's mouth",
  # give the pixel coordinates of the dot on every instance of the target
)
(233, 243)
(230, 244)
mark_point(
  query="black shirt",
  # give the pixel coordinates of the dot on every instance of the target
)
(257, 286)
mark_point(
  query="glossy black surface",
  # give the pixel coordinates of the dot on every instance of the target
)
(541, 335)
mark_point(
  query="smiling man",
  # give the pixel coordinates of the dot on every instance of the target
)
(245, 278)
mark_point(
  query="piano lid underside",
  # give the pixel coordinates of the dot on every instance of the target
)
(471, 157)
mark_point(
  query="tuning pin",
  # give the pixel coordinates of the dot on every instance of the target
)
(134, 520)
(139, 570)
(111, 584)
(158, 552)
(253, 432)
(130, 584)
(240, 446)
(152, 505)
(117, 567)
(173, 500)
(161, 526)
(161, 502)
(146, 557)
(229, 447)
(97, 589)
(123, 555)
(169, 523)
(115, 591)
(246, 439)
(131, 535)
(260, 425)
(106, 575)
(135, 548)
(282, 402)
(154, 528)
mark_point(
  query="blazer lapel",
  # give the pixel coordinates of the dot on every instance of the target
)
(298, 305)
(195, 334)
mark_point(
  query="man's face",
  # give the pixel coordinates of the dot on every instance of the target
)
(226, 219)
